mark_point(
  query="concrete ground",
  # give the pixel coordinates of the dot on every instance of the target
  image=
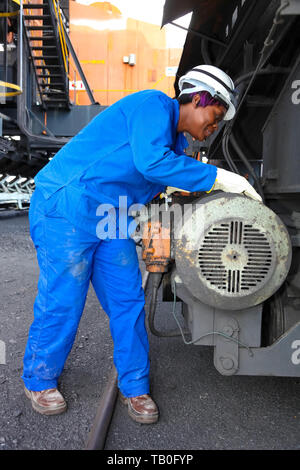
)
(200, 409)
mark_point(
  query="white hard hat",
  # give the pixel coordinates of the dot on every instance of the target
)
(215, 81)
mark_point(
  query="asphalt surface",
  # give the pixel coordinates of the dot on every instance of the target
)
(200, 409)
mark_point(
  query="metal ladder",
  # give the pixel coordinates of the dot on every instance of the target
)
(48, 50)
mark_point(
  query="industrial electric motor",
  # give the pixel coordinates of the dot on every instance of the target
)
(231, 252)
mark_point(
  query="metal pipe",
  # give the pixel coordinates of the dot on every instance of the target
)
(20, 41)
(98, 434)
(5, 42)
(78, 66)
(240, 27)
(201, 35)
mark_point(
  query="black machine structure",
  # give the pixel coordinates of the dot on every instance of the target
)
(234, 264)
(37, 116)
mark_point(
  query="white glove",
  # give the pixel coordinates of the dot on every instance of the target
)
(171, 189)
(232, 183)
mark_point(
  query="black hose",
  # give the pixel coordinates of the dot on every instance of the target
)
(156, 282)
(267, 71)
(227, 155)
(204, 52)
(247, 164)
(229, 137)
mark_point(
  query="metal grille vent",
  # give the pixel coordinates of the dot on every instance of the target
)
(235, 257)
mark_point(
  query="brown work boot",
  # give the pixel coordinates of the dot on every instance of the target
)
(47, 402)
(141, 409)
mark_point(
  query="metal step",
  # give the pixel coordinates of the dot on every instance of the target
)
(48, 76)
(56, 101)
(54, 94)
(62, 93)
(42, 38)
(35, 6)
(39, 28)
(36, 17)
(41, 48)
(44, 57)
(52, 84)
(48, 66)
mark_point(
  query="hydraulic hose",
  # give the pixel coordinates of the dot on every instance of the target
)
(245, 160)
(204, 52)
(227, 155)
(156, 282)
(266, 71)
(258, 70)
(229, 136)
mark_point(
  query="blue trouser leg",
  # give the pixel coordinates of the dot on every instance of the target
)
(65, 261)
(68, 259)
(117, 282)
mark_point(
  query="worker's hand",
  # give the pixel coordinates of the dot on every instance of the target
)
(232, 183)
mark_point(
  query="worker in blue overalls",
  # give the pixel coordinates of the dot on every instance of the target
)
(132, 150)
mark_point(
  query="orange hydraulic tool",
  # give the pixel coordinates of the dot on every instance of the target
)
(156, 246)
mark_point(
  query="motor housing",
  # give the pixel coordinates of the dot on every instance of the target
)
(232, 252)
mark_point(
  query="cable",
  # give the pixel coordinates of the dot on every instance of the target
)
(228, 158)
(244, 159)
(205, 334)
(156, 282)
(204, 52)
(267, 43)
(245, 77)
(266, 71)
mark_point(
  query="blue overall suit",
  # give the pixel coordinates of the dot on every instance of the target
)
(131, 150)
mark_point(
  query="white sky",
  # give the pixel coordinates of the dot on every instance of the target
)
(151, 12)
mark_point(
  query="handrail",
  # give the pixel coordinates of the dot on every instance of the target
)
(18, 88)
(9, 13)
(65, 45)
(61, 35)
(78, 66)
(62, 30)
(10, 85)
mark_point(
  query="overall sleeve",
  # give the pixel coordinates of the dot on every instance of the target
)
(152, 138)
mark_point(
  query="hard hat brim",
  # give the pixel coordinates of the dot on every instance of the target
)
(230, 113)
(200, 86)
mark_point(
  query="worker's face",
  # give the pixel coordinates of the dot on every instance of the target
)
(203, 122)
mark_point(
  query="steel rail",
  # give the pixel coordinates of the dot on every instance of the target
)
(99, 430)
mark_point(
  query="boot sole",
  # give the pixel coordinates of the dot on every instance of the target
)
(42, 410)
